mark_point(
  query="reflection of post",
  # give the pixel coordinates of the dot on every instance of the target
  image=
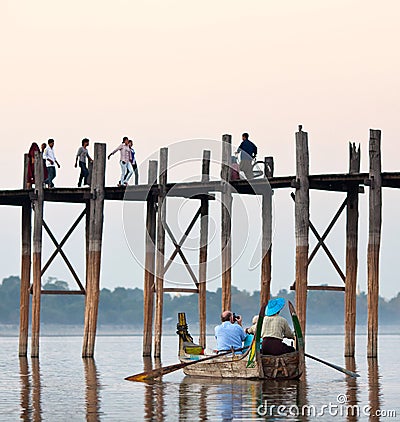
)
(373, 386)
(148, 291)
(351, 393)
(158, 392)
(26, 245)
(37, 254)
(36, 391)
(92, 390)
(148, 392)
(203, 403)
(203, 251)
(161, 221)
(266, 246)
(226, 223)
(25, 389)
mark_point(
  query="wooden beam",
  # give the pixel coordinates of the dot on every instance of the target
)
(161, 225)
(180, 252)
(37, 254)
(374, 241)
(302, 224)
(149, 265)
(63, 241)
(182, 241)
(266, 242)
(61, 252)
(351, 256)
(62, 292)
(95, 233)
(226, 222)
(26, 250)
(179, 290)
(203, 252)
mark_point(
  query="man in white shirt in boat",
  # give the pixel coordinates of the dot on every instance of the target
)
(274, 329)
(230, 332)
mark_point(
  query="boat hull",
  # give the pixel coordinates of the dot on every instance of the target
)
(283, 367)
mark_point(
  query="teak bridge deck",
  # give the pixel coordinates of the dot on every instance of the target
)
(155, 194)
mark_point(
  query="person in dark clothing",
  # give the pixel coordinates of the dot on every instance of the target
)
(248, 151)
(31, 165)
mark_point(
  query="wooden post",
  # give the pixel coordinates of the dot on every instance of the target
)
(226, 223)
(95, 233)
(351, 256)
(37, 254)
(203, 252)
(302, 224)
(149, 265)
(26, 250)
(266, 245)
(161, 221)
(375, 223)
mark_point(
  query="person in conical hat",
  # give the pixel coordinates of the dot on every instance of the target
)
(275, 328)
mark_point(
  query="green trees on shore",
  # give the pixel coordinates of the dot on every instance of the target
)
(124, 306)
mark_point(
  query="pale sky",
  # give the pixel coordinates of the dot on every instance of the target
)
(166, 71)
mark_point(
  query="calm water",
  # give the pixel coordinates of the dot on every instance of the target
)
(60, 386)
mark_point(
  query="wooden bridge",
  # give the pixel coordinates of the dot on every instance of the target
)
(155, 194)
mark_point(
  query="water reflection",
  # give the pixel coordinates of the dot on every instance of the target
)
(154, 405)
(92, 390)
(201, 398)
(25, 414)
(36, 390)
(374, 388)
(31, 402)
(351, 391)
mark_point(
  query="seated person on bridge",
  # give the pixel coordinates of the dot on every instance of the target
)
(230, 332)
(274, 329)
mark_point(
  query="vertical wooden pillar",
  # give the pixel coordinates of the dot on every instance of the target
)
(95, 236)
(37, 254)
(226, 223)
(149, 265)
(350, 296)
(203, 251)
(375, 223)
(302, 224)
(266, 245)
(26, 246)
(161, 220)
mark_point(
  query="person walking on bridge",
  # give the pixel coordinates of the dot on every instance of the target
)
(83, 155)
(125, 158)
(51, 162)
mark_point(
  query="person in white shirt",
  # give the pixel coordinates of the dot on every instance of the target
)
(51, 163)
(124, 161)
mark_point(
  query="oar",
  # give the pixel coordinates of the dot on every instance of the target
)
(338, 368)
(159, 372)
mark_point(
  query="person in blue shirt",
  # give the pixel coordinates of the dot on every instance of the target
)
(230, 332)
(248, 151)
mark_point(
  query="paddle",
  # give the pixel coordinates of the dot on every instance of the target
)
(338, 368)
(300, 341)
(159, 372)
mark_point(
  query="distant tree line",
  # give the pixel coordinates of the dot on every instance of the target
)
(124, 306)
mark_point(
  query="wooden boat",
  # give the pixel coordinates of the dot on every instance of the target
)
(245, 366)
